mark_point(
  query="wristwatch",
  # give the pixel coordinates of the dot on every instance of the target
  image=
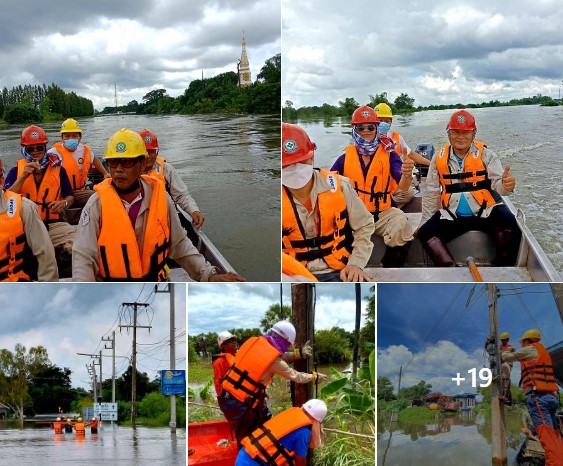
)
(66, 203)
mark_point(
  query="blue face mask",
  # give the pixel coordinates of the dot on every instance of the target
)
(383, 127)
(71, 144)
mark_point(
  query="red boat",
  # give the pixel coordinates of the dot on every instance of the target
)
(211, 444)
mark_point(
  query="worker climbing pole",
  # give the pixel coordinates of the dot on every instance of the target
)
(500, 456)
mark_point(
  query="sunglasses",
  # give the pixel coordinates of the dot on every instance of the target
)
(365, 127)
(38, 148)
(125, 163)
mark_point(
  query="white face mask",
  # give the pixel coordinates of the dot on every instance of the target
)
(297, 175)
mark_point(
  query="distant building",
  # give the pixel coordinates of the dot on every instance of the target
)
(244, 78)
(4, 410)
(466, 400)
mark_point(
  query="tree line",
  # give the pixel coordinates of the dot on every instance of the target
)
(402, 104)
(30, 384)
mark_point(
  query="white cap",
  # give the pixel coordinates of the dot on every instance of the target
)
(285, 329)
(58, 419)
(223, 337)
(316, 408)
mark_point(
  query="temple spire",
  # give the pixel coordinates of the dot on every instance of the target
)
(243, 66)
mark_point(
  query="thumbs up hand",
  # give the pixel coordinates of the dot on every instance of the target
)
(508, 180)
(408, 166)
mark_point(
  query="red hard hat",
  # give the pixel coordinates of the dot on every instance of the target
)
(33, 135)
(296, 145)
(364, 114)
(462, 120)
(151, 141)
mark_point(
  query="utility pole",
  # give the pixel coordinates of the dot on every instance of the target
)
(135, 307)
(112, 347)
(303, 318)
(170, 289)
(400, 375)
(357, 331)
(497, 407)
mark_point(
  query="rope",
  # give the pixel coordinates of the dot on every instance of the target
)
(371, 437)
(202, 405)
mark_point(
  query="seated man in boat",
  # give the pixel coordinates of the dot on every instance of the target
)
(41, 178)
(77, 159)
(463, 188)
(325, 226)
(286, 438)
(256, 362)
(26, 251)
(128, 228)
(384, 133)
(381, 180)
(538, 383)
(223, 361)
(175, 186)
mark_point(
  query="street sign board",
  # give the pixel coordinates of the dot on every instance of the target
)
(173, 382)
(107, 416)
(100, 408)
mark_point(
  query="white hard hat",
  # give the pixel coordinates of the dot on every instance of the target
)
(58, 419)
(285, 329)
(223, 337)
(316, 408)
(93, 419)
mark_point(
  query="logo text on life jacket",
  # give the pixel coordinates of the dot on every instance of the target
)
(331, 180)
(11, 207)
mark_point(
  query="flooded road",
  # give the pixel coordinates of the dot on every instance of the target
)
(121, 446)
(463, 439)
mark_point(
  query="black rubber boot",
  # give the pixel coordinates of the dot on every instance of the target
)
(439, 253)
(506, 250)
(395, 256)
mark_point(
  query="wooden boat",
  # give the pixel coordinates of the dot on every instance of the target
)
(211, 444)
(532, 263)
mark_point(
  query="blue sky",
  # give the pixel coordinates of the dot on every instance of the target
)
(412, 317)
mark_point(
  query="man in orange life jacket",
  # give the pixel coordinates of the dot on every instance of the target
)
(463, 189)
(223, 361)
(286, 438)
(77, 159)
(325, 225)
(175, 186)
(538, 382)
(381, 180)
(26, 251)
(58, 426)
(128, 228)
(41, 178)
(505, 369)
(256, 362)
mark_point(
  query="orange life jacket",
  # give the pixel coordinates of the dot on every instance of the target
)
(76, 175)
(253, 359)
(375, 188)
(221, 364)
(119, 257)
(158, 169)
(264, 442)
(80, 428)
(506, 347)
(539, 373)
(49, 190)
(58, 426)
(13, 242)
(291, 267)
(333, 242)
(472, 179)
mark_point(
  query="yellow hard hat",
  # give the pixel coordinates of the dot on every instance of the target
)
(383, 110)
(125, 144)
(79, 419)
(505, 336)
(70, 125)
(533, 334)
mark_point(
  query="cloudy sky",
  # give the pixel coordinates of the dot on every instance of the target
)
(228, 305)
(72, 318)
(439, 52)
(437, 330)
(138, 45)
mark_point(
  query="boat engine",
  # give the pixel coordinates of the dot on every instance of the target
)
(427, 151)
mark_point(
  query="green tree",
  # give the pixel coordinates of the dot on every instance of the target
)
(378, 99)
(50, 389)
(21, 113)
(367, 332)
(16, 372)
(123, 385)
(416, 391)
(404, 101)
(271, 71)
(153, 96)
(274, 314)
(348, 105)
(331, 346)
(385, 389)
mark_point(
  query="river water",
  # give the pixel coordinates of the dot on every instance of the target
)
(118, 446)
(230, 165)
(463, 440)
(529, 138)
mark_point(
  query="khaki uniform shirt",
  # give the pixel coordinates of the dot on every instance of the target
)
(178, 190)
(432, 193)
(361, 222)
(37, 239)
(85, 250)
(280, 367)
